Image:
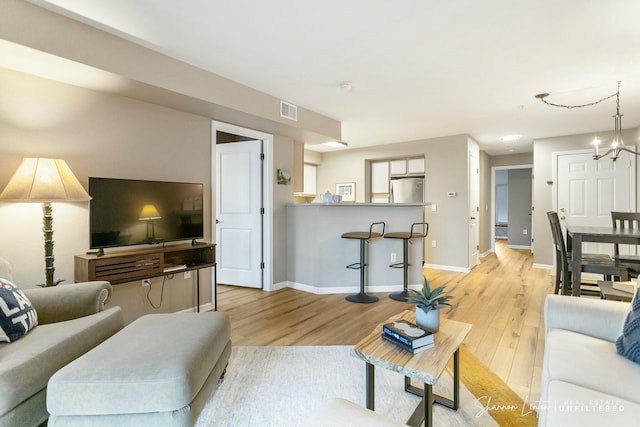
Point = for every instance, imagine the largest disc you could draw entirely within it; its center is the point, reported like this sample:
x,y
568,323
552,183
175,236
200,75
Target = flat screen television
x,y
126,212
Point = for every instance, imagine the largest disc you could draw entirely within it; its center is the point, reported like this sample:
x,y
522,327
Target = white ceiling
x,y
419,68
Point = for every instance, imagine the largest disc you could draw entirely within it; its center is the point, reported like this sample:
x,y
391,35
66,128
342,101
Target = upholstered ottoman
x,y
158,371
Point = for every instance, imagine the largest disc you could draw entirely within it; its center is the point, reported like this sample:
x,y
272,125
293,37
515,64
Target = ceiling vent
x,y
288,111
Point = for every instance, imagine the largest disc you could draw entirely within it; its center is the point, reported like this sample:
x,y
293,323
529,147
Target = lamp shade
x,y
44,180
149,212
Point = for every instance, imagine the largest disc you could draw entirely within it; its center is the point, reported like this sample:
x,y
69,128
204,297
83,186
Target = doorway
x,y
238,216
248,260
511,206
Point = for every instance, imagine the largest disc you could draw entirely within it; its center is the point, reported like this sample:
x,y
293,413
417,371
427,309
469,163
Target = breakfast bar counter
x,y
317,256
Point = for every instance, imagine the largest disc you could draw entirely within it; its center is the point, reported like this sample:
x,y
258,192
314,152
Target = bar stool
x,y
406,238
364,237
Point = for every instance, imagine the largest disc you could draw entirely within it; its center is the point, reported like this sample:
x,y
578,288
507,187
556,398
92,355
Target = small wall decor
x,y
347,190
284,177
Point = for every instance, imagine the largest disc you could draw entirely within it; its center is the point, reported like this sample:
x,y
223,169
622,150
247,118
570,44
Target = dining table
x,y
579,234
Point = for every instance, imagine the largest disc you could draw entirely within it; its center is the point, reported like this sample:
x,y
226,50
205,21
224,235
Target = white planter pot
x,y
428,319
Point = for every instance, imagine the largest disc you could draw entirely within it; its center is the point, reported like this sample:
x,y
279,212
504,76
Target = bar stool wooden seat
x,y
406,237
364,237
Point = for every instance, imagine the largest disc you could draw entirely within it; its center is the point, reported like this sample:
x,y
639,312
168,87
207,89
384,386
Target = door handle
x,y
473,217
218,221
563,217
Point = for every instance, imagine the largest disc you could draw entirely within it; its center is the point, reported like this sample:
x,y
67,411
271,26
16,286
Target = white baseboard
x,y
486,253
448,268
203,307
279,285
544,266
519,247
325,290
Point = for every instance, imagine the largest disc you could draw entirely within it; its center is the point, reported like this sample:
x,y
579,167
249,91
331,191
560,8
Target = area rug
x,y
504,404
281,386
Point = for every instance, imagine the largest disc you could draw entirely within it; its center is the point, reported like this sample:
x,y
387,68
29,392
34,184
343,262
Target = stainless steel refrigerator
x,y
406,190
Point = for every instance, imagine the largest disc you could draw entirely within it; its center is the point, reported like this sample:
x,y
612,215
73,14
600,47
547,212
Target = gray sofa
x,y
72,320
585,382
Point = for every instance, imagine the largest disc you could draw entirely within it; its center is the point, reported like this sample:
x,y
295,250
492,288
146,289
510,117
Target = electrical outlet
x,y
187,275
433,243
146,282
434,208
393,257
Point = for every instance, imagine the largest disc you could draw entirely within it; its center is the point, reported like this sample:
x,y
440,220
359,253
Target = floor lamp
x,y
45,181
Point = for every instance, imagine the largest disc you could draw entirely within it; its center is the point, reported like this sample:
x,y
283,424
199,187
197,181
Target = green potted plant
x,y
428,304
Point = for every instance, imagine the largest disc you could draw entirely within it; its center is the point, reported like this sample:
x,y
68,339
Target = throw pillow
x,y
17,315
628,344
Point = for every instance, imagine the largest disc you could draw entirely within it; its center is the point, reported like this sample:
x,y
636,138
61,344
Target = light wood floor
x,y
502,298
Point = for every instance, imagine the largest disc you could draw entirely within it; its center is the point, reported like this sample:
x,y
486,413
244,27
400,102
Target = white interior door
x,y
474,210
239,213
588,190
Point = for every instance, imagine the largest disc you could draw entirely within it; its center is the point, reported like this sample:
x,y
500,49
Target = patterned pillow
x,y
628,344
17,315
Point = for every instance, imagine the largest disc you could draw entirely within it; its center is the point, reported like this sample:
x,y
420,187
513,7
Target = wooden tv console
x,y
127,266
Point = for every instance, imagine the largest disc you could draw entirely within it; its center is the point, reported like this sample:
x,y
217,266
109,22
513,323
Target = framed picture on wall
x,y
347,190
284,176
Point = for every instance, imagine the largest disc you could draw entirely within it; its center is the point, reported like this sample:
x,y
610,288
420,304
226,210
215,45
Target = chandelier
x,y
617,144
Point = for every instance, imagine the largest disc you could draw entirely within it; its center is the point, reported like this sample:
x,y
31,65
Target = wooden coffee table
x,y
607,291
425,367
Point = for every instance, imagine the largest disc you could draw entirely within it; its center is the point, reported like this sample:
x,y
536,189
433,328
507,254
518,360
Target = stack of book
x,y
408,336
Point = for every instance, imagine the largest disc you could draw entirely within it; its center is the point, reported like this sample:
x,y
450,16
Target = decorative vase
x,y
428,319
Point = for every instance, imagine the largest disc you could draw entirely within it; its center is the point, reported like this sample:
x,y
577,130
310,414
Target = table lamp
x,y
45,181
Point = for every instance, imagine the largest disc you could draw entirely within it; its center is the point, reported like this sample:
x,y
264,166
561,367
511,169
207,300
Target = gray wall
x,y
119,66
502,204
98,135
140,114
282,194
318,255
519,207
485,204
107,135
512,160
446,166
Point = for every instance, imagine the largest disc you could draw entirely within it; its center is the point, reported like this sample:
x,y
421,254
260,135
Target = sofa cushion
x,y
572,405
628,344
157,363
17,315
5,270
592,363
26,365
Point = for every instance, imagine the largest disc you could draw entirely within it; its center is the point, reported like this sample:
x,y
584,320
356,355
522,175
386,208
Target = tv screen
x,y
132,212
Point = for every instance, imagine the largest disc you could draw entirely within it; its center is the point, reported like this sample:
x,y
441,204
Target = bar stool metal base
x,y
362,298
402,296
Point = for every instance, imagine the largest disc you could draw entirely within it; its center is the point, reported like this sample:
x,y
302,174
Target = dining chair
x,y
625,220
591,263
